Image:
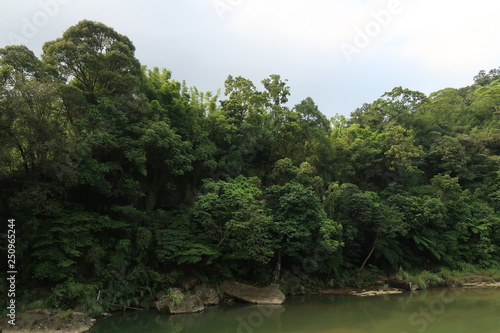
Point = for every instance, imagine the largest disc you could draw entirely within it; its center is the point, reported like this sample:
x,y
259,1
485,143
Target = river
x,y
431,311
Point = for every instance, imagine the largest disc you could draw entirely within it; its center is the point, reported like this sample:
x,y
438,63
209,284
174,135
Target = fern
x,y
430,243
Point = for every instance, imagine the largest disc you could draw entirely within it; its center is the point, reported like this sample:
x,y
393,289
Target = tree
x,y
486,102
101,61
401,153
126,181
371,226
233,217
358,155
33,128
444,112
277,91
302,226
485,79
396,106
301,132
240,129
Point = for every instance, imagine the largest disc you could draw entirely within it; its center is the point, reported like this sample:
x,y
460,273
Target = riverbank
x,y
446,310
69,321
421,281
380,290
48,321
482,285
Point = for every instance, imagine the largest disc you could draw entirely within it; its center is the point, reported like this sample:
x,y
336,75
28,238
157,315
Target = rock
x,y
188,304
161,294
147,305
267,295
208,295
163,305
375,292
48,321
482,285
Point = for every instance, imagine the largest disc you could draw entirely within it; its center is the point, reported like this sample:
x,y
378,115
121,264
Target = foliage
x,y
362,278
176,296
124,180
426,279
234,219
70,293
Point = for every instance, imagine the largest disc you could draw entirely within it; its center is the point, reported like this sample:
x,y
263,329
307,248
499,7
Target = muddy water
x,y
433,311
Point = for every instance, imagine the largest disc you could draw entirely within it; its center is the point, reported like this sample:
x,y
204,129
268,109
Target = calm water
x,y
433,311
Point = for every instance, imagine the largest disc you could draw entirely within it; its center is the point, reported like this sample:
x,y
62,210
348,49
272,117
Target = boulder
x,y
163,305
187,304
160,295
208,295
147,304
267,295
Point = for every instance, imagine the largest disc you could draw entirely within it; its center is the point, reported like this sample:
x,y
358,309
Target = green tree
x,y
233,218
302,226
100,60
372,226
33,127
486,102
397,106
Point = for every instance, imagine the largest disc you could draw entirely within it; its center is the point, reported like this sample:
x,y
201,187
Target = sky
x,y
340,53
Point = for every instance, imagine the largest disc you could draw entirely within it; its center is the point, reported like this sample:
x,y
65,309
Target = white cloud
x,y
301,24
427,45
450,36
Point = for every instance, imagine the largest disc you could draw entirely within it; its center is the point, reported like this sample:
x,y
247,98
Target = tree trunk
x,y
277,269
370,254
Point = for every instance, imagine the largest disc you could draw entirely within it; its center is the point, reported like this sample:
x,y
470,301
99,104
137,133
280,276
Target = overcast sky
x,y
340,53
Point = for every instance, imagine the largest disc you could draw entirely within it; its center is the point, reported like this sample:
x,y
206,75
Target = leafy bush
x,y
175,295
362,278
426,279
71,294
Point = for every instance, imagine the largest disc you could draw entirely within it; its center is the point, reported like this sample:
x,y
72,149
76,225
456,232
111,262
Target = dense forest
x,y
124,181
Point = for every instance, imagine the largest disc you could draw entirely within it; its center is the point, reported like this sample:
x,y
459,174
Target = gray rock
x,y
188,304
147,305
267,295
161,294
208,295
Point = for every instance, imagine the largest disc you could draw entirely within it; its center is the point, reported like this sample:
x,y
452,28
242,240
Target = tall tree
x,y
101,60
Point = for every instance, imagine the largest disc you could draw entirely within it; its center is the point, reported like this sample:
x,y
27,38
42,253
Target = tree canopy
x,y
124,180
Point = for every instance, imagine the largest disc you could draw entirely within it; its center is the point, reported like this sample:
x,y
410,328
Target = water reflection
x,y
444,310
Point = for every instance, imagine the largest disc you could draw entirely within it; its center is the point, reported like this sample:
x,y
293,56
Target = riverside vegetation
x,y
124,181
